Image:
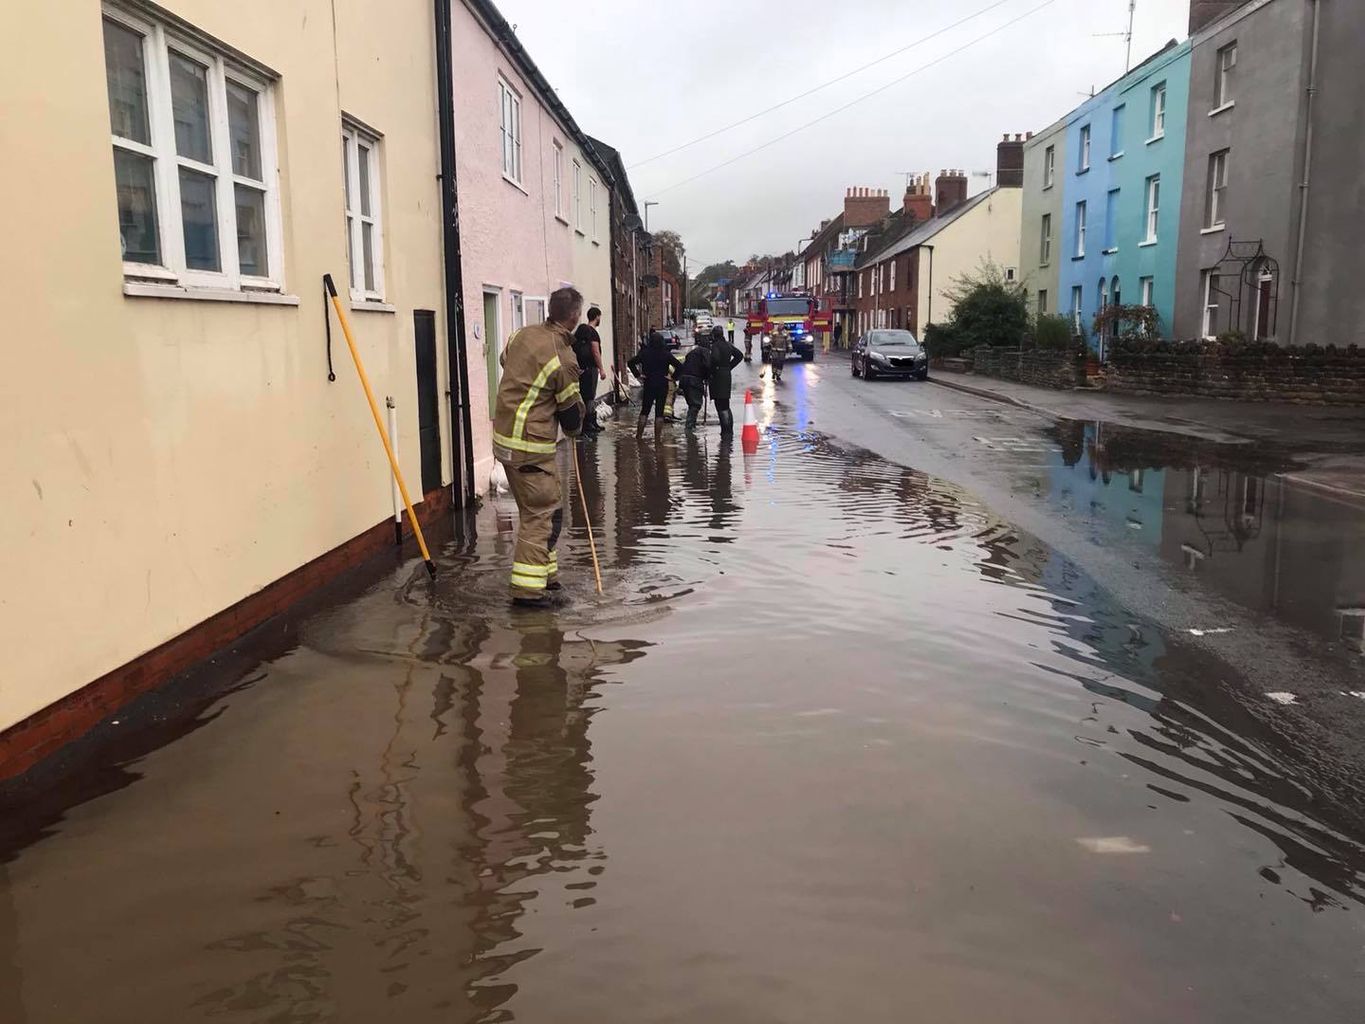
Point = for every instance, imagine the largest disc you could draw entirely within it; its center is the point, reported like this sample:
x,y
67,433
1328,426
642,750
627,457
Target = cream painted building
x,y
534,207
183,176
984,229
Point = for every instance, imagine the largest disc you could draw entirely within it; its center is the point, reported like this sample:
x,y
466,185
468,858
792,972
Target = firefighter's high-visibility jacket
x,y
538,394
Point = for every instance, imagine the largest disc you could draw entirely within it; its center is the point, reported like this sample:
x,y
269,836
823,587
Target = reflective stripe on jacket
x,y
539,380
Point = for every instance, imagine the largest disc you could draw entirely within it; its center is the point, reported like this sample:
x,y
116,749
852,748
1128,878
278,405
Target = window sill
x,y
1082,170
1226,106
515,184
1047,188
580,232
596,242
562,220
150,290
1216,229
371,306
1077,259
1115,156
1155,138
1109,252
1148,243
1044,266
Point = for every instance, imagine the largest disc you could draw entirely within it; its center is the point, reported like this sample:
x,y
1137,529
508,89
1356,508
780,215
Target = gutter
x,y
457,362
1297,283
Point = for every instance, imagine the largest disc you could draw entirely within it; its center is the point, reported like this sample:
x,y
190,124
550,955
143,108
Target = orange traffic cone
x,y
748,437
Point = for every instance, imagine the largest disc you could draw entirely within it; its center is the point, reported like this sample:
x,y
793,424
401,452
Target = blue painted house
x,y
1122,185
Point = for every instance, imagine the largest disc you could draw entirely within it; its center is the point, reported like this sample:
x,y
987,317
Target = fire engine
x,y
802,314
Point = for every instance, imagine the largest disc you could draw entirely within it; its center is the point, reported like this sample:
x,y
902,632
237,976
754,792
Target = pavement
x,y
1032,718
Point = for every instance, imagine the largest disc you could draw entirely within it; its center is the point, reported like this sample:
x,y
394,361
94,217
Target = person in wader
x,y
539,394
778,347
696,371
653,364
724,358
587,349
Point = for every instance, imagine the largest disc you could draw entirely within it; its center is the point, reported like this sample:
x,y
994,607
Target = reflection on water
x,y
1229,517
835,731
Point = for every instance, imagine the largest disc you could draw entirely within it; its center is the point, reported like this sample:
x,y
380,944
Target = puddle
x,y
824,751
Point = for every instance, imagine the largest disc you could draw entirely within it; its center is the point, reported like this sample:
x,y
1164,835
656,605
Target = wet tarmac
x,y
839,743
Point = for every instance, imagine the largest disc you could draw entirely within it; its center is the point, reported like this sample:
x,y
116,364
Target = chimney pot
x,y
1007,137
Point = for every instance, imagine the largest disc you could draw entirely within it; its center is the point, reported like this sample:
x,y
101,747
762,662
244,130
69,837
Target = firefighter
x,y
779,344
654,364
724,358
538,395
696,370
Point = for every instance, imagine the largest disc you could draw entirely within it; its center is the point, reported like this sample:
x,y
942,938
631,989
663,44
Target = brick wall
x,y
1307,376
1044,368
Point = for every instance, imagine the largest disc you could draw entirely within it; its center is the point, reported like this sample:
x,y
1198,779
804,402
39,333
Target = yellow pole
x,y
587,519
379,423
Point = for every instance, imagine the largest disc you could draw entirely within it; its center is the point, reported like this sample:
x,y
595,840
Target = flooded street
x,y
844,740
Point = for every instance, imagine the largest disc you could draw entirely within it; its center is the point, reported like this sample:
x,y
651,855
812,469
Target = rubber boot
x,y
727,422
692,411
658,431
640,429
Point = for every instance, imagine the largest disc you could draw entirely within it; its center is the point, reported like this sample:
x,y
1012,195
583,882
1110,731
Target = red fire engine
x,y
802,314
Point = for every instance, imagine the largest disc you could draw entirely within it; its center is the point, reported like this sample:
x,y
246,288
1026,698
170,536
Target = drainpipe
x,y
457,364
929,313
1307,178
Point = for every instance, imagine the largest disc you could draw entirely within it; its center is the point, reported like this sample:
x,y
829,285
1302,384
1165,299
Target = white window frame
x,y
1207,323
1042,300
1116,132
592,210
1153,211
1222,98
1215,191
1158,112
578,197
893,275
1081,216
1049,166
1077,305
157,41
1147,287
517,304
542,302
559,180
353,139
1045,249
1085,149
509,131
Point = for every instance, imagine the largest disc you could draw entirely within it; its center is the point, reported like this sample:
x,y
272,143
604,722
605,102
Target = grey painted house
x,y
1040,251
1245,262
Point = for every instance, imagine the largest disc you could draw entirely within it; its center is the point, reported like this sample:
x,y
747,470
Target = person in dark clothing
x,y
696,371
838,333
587,347
653,364
724,358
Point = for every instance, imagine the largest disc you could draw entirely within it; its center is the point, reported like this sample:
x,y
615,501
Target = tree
x,y
701,288
987,309
670,247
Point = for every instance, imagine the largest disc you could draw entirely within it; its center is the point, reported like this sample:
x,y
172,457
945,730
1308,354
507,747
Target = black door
x,y
428,411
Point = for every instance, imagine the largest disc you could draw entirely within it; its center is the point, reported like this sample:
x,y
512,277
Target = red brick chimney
x,y
951,189
1009,162
918,202
864,207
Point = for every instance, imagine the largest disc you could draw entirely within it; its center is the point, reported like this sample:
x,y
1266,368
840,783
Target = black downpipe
x,y
461,440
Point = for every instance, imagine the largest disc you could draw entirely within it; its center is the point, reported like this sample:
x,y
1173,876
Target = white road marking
x,y
1210,632
1354,693
1016,444
1114,845
1282,697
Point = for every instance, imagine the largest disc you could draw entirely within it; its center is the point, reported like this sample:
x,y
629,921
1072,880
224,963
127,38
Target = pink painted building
x,y
534,200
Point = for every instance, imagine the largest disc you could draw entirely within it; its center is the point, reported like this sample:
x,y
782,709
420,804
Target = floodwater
x,y
837,744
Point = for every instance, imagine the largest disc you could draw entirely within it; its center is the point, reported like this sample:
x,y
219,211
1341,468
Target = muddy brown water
x,y
838,744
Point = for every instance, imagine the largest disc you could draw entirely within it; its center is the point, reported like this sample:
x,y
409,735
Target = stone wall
x,y
1044,368
1310,375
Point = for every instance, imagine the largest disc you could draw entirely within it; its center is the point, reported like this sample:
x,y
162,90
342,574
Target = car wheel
x,y
853,367
868,372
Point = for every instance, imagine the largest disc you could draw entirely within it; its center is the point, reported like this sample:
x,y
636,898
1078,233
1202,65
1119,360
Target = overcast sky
x,y
646,77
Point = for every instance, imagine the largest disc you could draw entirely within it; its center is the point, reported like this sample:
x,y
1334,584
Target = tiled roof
x,y
929,228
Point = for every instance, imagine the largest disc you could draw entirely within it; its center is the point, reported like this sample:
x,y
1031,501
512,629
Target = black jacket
x,y
696,368
653,362
724,358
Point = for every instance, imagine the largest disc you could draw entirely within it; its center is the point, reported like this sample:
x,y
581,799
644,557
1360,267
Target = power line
x,y
825,85
865,96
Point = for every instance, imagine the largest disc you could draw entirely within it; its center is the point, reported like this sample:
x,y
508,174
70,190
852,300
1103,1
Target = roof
x,y
930,228
822,237
502,33
618,168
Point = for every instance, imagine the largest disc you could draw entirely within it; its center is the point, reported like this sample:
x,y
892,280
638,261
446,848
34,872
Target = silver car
x,y
888,353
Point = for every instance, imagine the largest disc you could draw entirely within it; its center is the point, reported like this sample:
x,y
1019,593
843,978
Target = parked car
x,y
889,354
702,325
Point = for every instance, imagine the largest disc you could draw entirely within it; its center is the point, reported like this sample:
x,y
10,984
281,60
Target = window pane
x,y
346,171
127,80
136,207
350,252
244,131
190,108
251,249
365,180
367,245
198,211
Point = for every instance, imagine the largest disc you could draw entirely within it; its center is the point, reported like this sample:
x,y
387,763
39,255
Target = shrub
x,y
988,310
1053,332
1127,322
942,340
